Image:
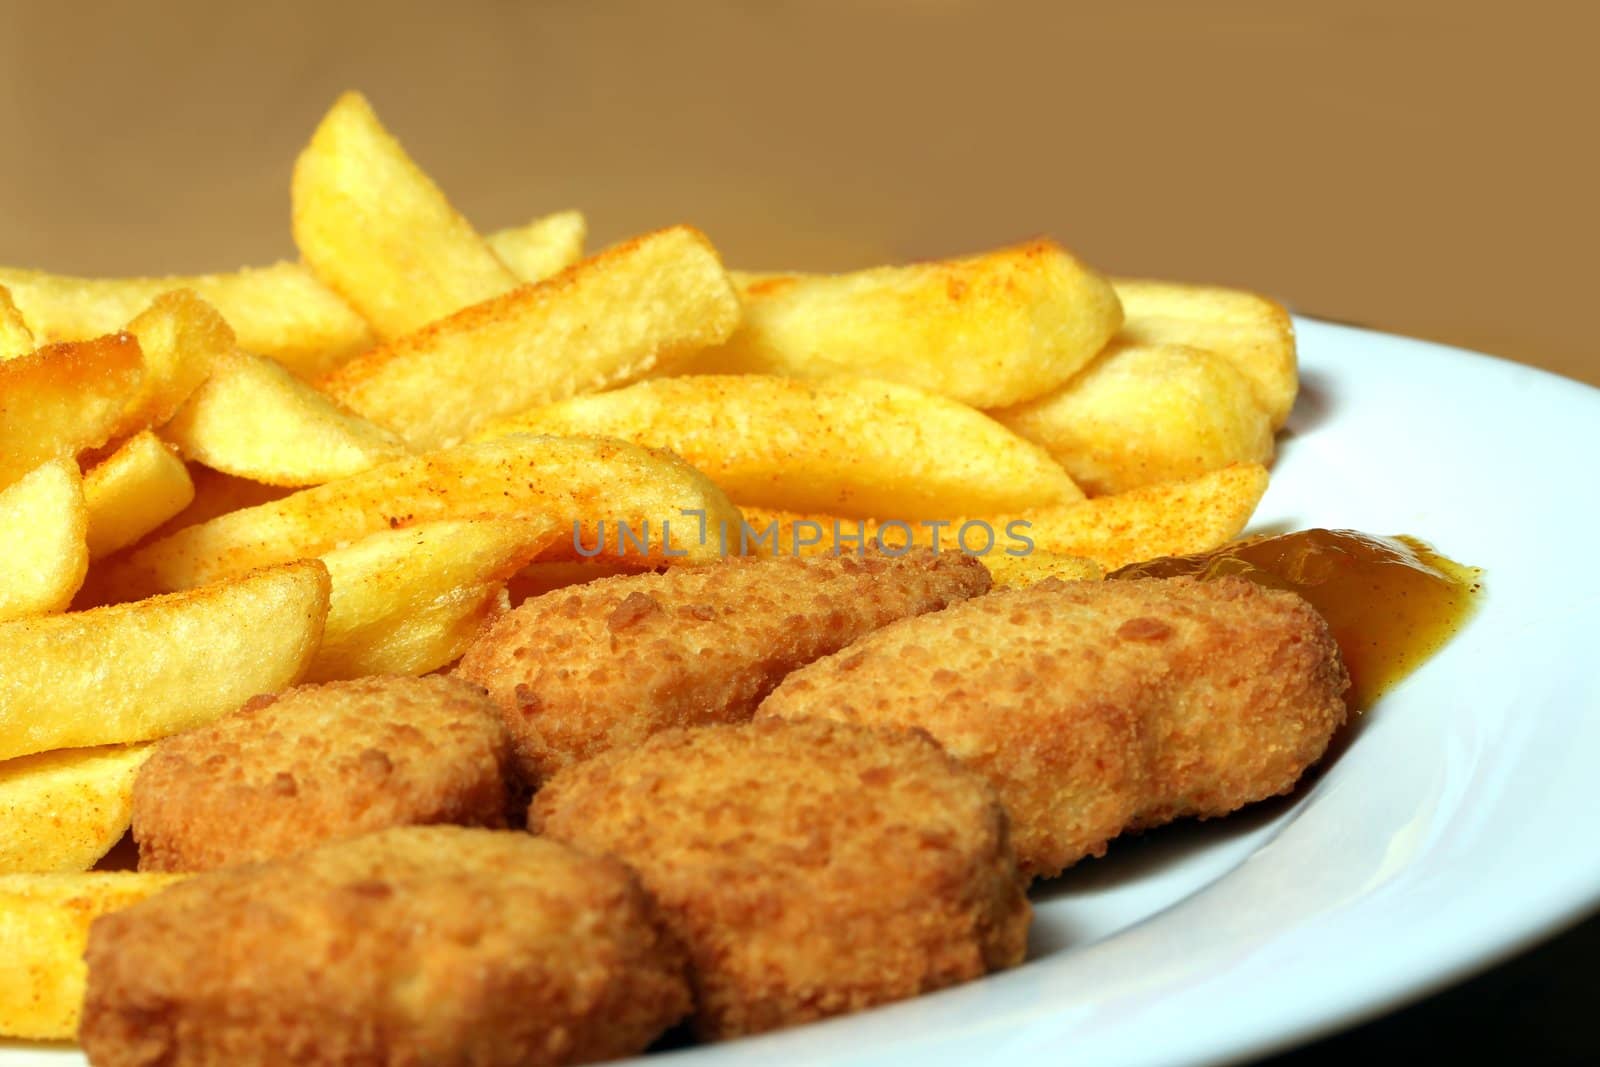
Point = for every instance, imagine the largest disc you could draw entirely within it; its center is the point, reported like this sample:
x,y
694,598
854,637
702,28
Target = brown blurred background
x,y
1409,167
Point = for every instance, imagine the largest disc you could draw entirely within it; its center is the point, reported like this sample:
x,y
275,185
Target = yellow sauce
x,y
1391,602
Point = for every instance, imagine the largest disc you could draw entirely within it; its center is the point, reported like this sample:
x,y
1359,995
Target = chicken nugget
x,y
810,868
1097,708
416,945
607,664
318,762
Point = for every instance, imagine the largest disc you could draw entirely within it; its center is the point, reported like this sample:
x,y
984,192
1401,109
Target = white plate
x,y
1452,829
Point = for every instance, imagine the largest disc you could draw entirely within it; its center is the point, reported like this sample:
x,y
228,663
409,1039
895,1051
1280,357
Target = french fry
x,y
280,311
254,419
409,601
543,247
988,330
179,337
1016,571
63,810
44,928
848,446
1140,414
134,490
136,672
377,231
216,494
15,337
43,521
1250,331
63,399
609,320
1169,519
579,482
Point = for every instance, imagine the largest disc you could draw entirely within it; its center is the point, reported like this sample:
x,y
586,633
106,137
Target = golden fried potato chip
x,y
1140,414
134,490
1017,571
15,337
609,320
179,336
216,494
848,446
410,601
582,483
136,672
377,231
280,311
988,330
44,928
543,247
63,399
63,810
1250,331
254,419
43,524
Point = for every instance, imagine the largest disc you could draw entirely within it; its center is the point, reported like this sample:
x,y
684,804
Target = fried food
x,y
44,925
254,419
136,672
545,246
605,665
63,810
133,491
811,869
1097,708
608,320
291,770
64,399
1250,331
377,230
848,446
1035,567
1141,414
15,337
44,526
420,945
180,336
987,330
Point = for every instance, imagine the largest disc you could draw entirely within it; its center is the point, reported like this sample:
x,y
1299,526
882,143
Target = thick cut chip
x,y
590,486
134,490
255,420
216,494
1140,414
15,337
378,232
136,672
989,330
1170,519
1250,331
410,601
1014,571
543,247
43,525
63,399
849,446
63,810
609,320
280,311
180,336
44,928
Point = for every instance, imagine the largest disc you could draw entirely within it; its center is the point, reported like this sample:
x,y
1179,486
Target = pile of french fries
x,y
221,485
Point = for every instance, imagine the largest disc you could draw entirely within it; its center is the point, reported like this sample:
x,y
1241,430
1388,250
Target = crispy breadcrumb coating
x,y
811,868
1097,708
420,945
582,670
317,762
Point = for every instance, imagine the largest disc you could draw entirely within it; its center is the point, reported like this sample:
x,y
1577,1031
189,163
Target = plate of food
x,y
456,648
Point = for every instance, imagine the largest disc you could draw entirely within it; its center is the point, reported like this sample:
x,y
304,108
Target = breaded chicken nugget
x,y
418,945
607,664
1097,708
811,869
318,762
